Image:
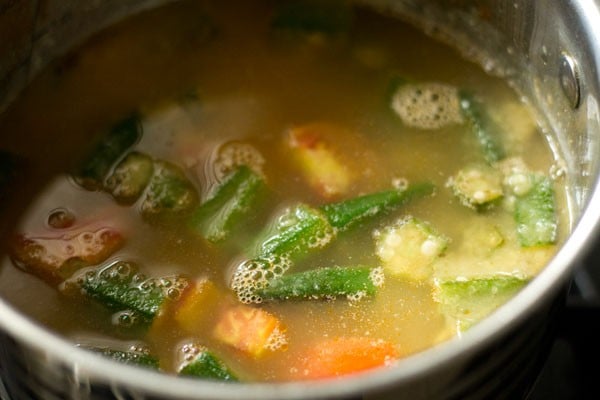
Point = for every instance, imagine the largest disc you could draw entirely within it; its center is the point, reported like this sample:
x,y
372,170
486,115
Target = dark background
x,y
572,370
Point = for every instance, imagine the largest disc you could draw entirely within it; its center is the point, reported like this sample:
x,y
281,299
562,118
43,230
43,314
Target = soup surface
x,y
271,191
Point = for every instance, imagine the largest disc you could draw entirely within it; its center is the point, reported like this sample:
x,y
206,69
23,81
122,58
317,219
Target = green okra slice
x,y
487,132
535,213
467,301
130,177
107,152
347,213
408,247
477,186
208,366
132,357
299,230
119,286
234,198
354,282
169,191
313,16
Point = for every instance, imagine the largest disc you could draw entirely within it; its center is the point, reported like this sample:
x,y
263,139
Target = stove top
x,y
571,371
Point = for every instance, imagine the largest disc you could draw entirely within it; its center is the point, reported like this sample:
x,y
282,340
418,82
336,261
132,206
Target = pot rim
x,y
87,365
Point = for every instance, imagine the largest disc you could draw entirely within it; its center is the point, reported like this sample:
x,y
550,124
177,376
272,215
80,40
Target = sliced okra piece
x,y
130,177
535,212
299,230
234,198
107,152
207,365
313,16
169,191
120,286
343,215
354,282
487,132
467,301
408,247
477,186
131,357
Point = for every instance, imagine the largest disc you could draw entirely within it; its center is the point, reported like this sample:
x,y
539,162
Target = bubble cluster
x,y
377,276
277,340
427,105
253,275
234,154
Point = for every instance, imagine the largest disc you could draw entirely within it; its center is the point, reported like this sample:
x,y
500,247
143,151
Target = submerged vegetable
x,y
132,357
487,132
477,186
169,191
313,16
119,286
130,177
205,364
535,213
467,301
353,282
408,247
345,355
231,201
107,152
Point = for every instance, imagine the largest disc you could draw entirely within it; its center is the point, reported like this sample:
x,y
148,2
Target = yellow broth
x,y
251,84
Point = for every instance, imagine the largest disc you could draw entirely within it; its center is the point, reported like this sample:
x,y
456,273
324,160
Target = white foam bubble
x,y
427,105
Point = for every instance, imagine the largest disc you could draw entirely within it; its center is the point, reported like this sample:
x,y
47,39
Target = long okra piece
x,y
233,199
487,132
106,153
324,283
313,16
535,213
344,214
207,365
138,358
119,286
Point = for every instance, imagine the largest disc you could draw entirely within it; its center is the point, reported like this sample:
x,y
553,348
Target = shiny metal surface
x,y
520,40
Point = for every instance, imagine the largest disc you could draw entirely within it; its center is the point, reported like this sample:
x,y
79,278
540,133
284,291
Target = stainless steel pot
x,y
547,49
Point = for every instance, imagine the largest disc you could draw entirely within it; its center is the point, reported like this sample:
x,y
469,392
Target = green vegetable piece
x,y
487,132
324,283
130,177
107,152
535,213
301,229
408,247
347,213
477,186
232,200
119,286
469,301
142,359
207,365
313,16
169,191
